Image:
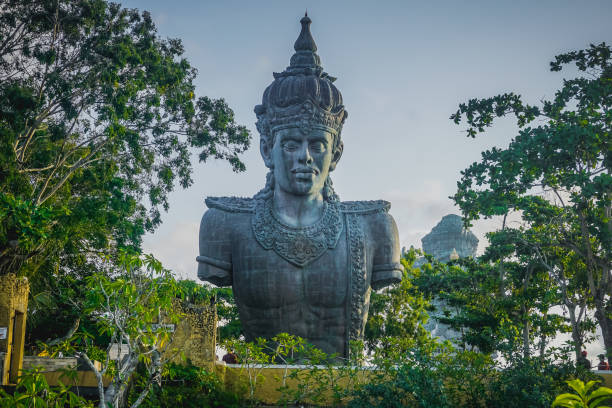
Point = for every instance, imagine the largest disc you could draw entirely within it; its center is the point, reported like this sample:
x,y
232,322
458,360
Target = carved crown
x,y
303,95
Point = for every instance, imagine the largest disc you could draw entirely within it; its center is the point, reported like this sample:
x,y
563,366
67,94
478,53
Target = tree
x,y
98,117
556,174
397,311
96,112
132,306
511,313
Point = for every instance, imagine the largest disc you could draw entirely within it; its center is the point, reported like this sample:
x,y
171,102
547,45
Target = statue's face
x,y
302,161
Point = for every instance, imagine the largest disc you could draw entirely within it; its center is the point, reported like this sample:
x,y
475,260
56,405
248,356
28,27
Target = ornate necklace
x,y
299,246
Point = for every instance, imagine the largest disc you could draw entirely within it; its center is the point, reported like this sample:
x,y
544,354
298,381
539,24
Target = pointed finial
x,y
306,13
454,255
305,42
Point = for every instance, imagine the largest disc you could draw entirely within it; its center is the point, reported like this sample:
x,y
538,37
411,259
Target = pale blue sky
x,y
402,67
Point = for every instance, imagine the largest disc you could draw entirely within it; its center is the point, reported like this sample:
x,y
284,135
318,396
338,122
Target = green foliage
x,y
397,311
467,376
557,175
32,390
230,326
129,299
98,117
498,302
128,302
252,356
319,377
467,289
190,387
444,376
532,382
583,397
404,377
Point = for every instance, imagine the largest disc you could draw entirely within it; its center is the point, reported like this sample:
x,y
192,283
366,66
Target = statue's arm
x,y
215,259
386,268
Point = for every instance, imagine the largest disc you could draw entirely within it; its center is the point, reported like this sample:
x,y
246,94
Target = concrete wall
x,y
49,364
52,370
606,377
236,379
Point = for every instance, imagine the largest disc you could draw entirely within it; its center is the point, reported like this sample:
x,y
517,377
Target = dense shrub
x,y
450,378
532,383
405,386
188,386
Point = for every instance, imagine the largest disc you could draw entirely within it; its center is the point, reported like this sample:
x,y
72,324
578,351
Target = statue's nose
x,y
305,156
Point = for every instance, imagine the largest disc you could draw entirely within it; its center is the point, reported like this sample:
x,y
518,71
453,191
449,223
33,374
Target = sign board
x,y
167,327
3,333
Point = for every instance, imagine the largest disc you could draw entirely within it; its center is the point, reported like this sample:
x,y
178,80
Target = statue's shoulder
x,y
231,204
365,207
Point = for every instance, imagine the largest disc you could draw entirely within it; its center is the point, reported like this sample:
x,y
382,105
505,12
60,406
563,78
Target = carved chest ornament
x,y
299,246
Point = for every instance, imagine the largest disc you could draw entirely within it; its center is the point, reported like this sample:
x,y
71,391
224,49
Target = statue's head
x,y
300,122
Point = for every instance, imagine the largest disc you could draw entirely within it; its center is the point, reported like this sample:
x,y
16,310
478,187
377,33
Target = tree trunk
x,y
543,339
115,393
525,331
576,336
526,328
602,314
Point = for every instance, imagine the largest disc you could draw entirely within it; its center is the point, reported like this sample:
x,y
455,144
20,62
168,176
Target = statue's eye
x,y
290,146
317,147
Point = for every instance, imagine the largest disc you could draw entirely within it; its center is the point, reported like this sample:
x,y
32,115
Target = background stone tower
x,y
447,240
449,236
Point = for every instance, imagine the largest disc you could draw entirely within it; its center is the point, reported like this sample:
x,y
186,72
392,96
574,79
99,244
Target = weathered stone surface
x,y
299,260
448,235
195,335
448,240
13,312
48,363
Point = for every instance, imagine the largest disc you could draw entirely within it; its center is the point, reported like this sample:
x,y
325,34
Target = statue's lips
x,y
304,173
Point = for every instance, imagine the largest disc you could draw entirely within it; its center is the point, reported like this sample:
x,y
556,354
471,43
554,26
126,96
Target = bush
x,y
445,377
532,383
412,380
32,390
188,386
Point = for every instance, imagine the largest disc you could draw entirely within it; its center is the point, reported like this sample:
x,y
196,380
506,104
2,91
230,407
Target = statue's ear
x,y
336,156
266,152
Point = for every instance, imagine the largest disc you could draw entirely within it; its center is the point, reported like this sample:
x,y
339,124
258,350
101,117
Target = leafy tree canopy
x,y
97,112
557,172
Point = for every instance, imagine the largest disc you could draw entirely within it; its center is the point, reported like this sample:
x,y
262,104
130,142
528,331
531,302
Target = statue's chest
x,y
264,279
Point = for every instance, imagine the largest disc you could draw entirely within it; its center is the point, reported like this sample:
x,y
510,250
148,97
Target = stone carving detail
x,y
294,90
299,246
232,204
448,235
315,281
365,207
357,278
195,335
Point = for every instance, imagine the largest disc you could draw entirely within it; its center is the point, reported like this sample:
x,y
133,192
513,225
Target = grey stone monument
x,y
299,260
447,241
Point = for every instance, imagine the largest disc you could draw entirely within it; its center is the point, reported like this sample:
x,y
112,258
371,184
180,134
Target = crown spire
x,y
305,42
305,59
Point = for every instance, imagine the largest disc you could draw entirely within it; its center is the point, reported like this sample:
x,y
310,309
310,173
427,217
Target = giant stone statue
x,y
298,259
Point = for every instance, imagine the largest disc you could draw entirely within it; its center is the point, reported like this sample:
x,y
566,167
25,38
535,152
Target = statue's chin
x,y
302,188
